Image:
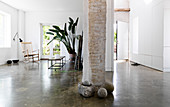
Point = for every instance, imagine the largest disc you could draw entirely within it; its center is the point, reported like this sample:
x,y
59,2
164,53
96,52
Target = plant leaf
x,y
65,29
52,40
71,20
53,30
50,33
56,27
62,32
77,20
73,28
70,26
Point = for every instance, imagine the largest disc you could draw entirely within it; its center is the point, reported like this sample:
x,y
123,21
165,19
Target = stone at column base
x,y
102,93
86,91
108,86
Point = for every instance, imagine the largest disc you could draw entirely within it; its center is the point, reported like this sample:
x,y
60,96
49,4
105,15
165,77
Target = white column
x,y
109,61
86,67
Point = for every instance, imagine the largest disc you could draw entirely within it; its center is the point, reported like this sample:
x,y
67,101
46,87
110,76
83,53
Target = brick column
x,y
97,40
94,48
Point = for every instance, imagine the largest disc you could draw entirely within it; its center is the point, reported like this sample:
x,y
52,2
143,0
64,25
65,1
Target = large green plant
x,y
66,35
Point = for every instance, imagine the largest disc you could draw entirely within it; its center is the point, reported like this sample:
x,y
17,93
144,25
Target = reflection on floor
x,y
34,85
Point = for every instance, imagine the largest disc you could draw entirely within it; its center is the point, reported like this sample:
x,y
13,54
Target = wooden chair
x,y
29,53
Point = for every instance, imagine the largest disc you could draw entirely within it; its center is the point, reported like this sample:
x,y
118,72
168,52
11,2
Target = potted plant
x,y
67,36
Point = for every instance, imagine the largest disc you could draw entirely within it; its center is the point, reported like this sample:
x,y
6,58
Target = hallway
x,y
33,85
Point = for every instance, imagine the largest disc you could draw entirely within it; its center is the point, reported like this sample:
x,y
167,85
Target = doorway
x,y
48,51
121,40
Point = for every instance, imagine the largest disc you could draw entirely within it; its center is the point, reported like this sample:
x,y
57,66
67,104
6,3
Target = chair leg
x,y
25,58
38,58
29,59
33,58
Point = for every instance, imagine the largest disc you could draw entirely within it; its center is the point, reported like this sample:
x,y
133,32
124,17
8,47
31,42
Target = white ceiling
x,y
46,5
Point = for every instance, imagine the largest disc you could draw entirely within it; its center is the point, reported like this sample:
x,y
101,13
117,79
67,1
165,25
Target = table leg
x,y
65,61
48,64
62,63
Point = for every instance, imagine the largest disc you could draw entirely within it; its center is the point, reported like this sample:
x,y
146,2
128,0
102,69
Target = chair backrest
x,y
27,46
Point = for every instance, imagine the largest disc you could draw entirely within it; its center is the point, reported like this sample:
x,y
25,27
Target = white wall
x,y
21,32
121,3
10,53
146,32
166,47
121,16
34,19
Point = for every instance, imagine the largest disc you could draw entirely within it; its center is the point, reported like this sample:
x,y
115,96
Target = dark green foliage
x,y
50,33
77,21
65,29
71,20
56,27
73,28
62,34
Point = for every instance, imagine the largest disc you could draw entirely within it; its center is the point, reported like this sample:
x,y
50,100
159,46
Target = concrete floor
x,y
33,85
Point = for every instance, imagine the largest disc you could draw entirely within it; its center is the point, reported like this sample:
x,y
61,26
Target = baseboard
x,y
166,70
148,66
109,69
3,63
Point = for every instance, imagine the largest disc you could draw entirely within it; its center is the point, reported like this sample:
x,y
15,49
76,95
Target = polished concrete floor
x,y
33,85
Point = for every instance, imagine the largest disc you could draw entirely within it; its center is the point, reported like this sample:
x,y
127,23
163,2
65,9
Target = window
x,y
5,30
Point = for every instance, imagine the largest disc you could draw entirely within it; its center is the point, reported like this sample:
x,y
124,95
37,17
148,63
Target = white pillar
x,y
86,67
109,36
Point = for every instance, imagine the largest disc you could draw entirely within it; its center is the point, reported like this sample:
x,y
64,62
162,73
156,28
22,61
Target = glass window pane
x,y
5,30
46,39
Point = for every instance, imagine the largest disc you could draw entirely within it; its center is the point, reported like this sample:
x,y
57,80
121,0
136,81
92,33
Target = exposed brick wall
x,y
97,39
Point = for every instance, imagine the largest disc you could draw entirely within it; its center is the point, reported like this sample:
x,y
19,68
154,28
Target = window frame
x,y
6,30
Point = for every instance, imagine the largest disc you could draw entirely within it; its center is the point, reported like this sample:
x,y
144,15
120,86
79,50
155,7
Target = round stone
x,y
102,93
85,91
109,86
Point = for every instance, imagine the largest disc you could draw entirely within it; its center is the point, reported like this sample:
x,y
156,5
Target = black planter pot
x,y
9,62
72,57
15,61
